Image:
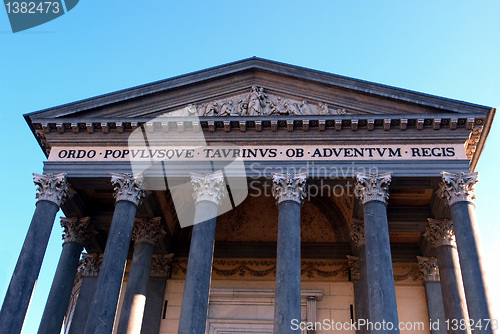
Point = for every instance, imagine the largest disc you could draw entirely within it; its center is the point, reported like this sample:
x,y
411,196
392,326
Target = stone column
x,y
88,270
128,194
208,193
360,292
289,191
160,270
372,190
457,190
440,234
77,232
429,267
145,234
358,274
52,190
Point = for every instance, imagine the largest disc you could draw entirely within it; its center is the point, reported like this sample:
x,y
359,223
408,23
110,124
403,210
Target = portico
x,y
258,197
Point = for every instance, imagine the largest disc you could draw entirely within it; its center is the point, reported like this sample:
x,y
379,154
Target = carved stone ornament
x,y
90,265
357,232
440,232
54,188
128,187
265,269
429,267
78,230
372,187
289,187
458,187
257,102
161,265
208,187
354,267
148,230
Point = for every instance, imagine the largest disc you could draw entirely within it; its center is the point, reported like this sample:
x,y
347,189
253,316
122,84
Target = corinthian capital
x,y
458,187
354,267
208,187
148,230
128,187
372,187
440,232
54,188
161,265
429,267
357,232
78,230
289,187
90,264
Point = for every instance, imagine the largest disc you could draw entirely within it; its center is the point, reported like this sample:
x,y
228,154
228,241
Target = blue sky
x,y
445,48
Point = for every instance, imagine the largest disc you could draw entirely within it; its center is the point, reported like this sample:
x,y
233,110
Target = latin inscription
x,y
257,153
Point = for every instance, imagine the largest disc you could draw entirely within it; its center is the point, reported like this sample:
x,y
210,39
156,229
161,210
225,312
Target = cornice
x,y
355,122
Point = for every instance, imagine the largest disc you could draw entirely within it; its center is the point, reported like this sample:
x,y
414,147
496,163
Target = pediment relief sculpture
x,y
259,103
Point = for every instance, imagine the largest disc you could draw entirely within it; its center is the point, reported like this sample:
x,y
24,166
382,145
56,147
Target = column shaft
x,y
137,285
154,305
451,287
82,308
60,291
103,307
194,307
361,297
466,232
435,306
287,294
18,295
383,308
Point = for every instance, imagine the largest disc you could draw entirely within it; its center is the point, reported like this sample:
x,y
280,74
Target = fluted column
x,y
440,233
358,274
145,234
289,191
88,269
430,270
372,190
208,193
128,193
77,232
53,190
457,190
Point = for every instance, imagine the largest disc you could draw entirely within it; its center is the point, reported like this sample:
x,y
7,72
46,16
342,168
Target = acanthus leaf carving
x,y
161,265
372,187
78,230
90,264
208,187
458,187
148,230
440,232
53,188
357,232
429,267
289,187
128,187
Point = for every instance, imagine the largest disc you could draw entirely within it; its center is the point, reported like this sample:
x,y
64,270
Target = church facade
x,y
258,197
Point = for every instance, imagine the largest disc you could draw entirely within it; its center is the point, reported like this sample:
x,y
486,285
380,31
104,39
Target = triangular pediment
x,y
257,87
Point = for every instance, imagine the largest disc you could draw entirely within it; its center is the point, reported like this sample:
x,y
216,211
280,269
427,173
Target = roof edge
x,y
365,87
